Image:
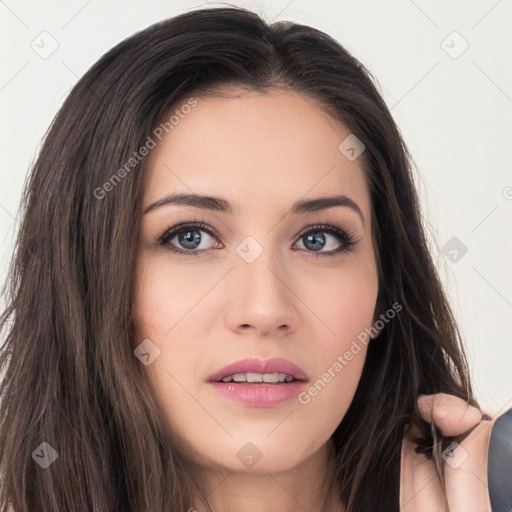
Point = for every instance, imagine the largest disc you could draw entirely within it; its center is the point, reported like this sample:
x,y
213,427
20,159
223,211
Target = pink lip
x,y
260,394
253,364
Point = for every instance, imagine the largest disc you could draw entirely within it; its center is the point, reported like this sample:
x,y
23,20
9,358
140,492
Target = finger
x,y
465,472
420,485
451,414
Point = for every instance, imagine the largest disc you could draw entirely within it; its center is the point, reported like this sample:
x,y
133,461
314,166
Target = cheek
x,y
161,299
344,302
167,298
346,306
168,311
348,310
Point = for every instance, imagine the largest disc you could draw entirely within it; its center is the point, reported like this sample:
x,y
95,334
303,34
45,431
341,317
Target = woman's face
x,y
264,283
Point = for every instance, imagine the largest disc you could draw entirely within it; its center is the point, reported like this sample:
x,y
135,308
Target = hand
x,y
465,471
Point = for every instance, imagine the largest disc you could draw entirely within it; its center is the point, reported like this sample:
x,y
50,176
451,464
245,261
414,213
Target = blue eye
x,y
315,240
187,240
188,235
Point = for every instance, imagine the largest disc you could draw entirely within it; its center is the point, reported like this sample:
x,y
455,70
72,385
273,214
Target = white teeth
x,y
254,377
258,377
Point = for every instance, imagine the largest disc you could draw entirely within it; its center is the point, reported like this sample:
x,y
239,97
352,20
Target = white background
x,y
454,113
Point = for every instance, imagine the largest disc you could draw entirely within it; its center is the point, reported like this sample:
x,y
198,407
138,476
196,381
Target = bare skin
x,y
261,153
465,476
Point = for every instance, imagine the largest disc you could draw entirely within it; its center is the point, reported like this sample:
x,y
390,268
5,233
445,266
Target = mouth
x,y
256,383
259,378
255,371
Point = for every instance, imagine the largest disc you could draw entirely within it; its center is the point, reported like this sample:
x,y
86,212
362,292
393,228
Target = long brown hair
x,y
70,375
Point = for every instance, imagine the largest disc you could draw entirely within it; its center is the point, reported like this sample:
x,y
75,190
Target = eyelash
x,y
346,238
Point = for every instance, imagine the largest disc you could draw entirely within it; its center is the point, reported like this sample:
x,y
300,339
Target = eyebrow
x,y
221,205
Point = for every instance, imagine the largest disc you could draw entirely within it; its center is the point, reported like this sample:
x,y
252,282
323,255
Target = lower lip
x,y
259,395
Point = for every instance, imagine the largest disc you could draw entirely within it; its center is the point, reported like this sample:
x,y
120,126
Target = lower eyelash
x,y
171,231
346,238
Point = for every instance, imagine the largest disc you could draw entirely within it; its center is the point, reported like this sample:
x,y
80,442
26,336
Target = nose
x,y
262,299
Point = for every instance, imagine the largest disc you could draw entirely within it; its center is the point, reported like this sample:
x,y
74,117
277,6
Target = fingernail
x,y
425,403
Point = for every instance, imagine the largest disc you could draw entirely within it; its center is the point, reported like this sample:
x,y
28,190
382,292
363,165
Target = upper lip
x,y
253,364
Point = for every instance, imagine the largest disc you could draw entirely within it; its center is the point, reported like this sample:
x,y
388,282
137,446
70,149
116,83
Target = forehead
x,y
255,148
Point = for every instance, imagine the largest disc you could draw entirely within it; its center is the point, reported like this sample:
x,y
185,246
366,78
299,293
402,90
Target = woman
x,y
222,296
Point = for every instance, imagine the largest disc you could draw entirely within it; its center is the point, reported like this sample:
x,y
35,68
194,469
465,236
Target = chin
x,y
260,456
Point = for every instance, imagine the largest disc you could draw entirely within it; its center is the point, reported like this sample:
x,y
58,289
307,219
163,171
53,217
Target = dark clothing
x,y
499,471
